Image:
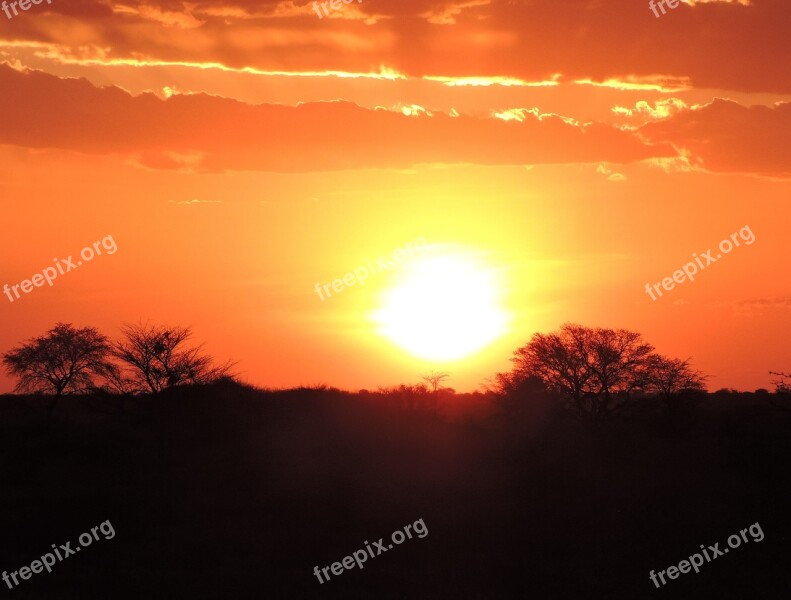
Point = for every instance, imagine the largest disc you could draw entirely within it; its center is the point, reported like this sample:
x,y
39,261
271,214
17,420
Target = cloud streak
x,y
204,133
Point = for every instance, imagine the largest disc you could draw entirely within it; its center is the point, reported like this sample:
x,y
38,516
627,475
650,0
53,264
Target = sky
x,y
477,170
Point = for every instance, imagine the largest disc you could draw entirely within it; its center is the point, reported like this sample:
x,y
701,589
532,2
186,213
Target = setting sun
x,y
443,308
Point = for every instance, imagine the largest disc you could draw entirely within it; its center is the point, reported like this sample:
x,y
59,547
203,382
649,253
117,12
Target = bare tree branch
x,y
157,358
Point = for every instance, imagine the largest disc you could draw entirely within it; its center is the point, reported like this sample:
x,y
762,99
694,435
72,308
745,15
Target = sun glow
x,y
443,308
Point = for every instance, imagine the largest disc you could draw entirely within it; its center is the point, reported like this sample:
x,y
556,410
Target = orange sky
x,y
239,152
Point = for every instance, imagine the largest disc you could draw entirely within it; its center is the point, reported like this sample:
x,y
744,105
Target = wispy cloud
x,y
194,202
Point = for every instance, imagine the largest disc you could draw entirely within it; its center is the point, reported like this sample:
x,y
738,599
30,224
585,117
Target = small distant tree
x,y
65,360
158,357
781,385
435,379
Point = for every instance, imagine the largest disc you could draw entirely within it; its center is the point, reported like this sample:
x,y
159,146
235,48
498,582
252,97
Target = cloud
x,y
203,133
759,306
655,83
740,2
775,302
730,138
445,13
609,173
98,57
490,81
619,44
168,18
661,109
193,202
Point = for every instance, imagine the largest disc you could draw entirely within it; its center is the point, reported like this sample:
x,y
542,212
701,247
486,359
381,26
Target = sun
x,y
443,308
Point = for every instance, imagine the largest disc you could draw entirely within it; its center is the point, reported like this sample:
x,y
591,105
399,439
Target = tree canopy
x,y
62,361
597,370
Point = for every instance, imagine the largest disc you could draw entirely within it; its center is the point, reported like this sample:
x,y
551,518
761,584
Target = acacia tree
x,y
157,358
435,379
619,362
672,376
64,360
552,359
596,370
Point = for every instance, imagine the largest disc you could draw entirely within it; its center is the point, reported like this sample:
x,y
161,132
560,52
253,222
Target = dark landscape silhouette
x,y
569,479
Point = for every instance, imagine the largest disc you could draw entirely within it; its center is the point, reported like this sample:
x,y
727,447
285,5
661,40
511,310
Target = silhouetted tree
x,y
676,383
781,385
65,360
672,376
596,370
411,397
116,381
435,379
158,358
514,385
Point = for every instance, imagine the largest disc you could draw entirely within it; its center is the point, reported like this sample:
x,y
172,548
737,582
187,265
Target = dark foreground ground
x,y
226,492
